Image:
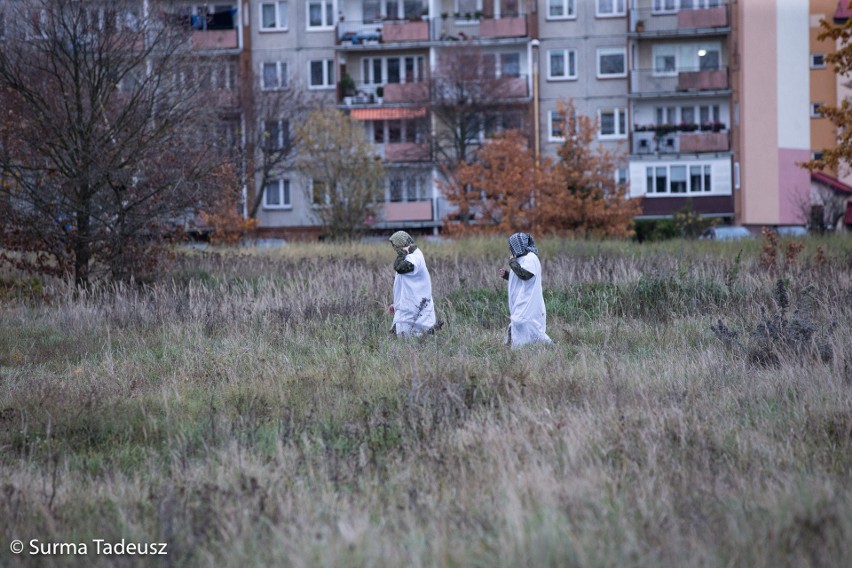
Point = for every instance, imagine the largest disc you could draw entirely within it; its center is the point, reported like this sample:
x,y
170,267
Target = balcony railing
x,y
404,151
502,88
389,93
714,19
664,140
463,29
214,39
401,211
357,33
649,82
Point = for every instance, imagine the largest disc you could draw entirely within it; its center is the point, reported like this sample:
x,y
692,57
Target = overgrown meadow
x,y
251,409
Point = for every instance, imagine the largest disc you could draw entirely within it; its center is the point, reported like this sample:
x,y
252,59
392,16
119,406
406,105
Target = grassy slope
x,y
254,411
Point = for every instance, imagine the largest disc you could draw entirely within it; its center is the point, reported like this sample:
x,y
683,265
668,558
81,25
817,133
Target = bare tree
x,y
272,111
472,94
347,178
105,137
822,207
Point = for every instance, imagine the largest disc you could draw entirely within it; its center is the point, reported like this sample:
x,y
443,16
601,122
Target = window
x,y
613,123
560,9
679,178
665,6
510,64
815,110
621,176
464,7
665,60
273,16
557,126
666,115
817,61
320,193
276,194
561,64
736,175
709,114
321,74
274,75
610,8
612,62
817,155
276,134
407,188
320,14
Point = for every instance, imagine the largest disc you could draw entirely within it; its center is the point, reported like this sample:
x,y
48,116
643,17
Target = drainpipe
x,y
535,44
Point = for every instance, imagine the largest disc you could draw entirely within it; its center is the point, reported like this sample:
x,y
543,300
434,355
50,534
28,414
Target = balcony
x,y
214,39
645,22
483,28
389,93
649,83
382,32
210,27
402,211
666,139
406,92
404,151
373,35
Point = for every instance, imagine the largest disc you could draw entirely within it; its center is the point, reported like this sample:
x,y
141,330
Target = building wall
x,y
774,99
585,33
823,81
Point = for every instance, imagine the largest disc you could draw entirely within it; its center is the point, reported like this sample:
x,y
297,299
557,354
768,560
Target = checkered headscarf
x,y
522,243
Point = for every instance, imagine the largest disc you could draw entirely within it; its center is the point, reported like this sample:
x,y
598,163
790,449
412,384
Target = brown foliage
x,y
585,198
840,116
497,194
505,191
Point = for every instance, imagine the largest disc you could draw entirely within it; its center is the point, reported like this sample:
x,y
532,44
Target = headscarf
x,y
522,243
401,239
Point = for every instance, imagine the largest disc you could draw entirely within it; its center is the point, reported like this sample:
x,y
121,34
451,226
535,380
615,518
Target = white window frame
x,y
567,54
618,113
314,203
664,50
550,115
281,74
706,169
619,9
461,19
284,190
327,14
815,113
815,65
283,126
569,10
278,27
659,7
327,75
611,51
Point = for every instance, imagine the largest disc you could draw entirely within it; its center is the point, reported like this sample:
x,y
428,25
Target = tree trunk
x,y
82,245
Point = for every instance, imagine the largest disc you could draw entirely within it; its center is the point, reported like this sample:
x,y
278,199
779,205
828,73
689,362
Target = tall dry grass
x,y
251,409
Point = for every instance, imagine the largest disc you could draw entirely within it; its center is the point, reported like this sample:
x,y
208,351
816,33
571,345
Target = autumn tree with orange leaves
x,y
584,198
498,192
504,191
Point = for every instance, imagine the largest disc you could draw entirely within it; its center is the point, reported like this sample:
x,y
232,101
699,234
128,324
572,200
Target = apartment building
x,y
381,62
680,105
831,190
583,56
771,112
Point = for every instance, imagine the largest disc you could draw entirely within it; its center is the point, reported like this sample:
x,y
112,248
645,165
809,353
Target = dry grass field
x,y
250,409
